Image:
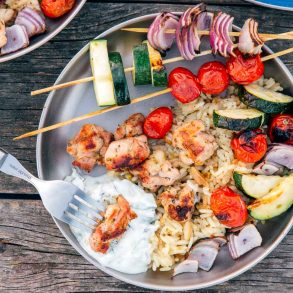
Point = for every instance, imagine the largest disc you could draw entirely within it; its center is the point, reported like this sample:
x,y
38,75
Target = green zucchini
x,y
122,96
255,186
141,64
239,119
158,70
103,82
265,100
276,202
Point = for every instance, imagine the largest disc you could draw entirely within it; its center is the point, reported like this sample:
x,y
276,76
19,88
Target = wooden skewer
x,y
264,37
134,101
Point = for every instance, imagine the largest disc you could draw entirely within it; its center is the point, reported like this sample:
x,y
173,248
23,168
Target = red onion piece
x,y
249,39
187,38
220,39
157,36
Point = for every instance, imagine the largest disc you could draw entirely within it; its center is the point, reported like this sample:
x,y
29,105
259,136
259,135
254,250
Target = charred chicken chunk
x,y
116,219
89,146
178,204
127,153
156,171
133,126
191,138
3,38
7,15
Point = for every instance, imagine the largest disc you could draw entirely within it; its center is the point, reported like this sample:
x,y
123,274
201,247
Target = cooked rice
x,y
173,239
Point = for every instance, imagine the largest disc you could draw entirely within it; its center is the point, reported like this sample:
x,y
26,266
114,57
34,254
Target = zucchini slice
x,y
141,64
103,82
264,99
122,96
158,70
276,202
255,186
238,119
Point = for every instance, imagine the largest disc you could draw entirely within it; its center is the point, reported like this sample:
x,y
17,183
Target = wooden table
x,y
34,256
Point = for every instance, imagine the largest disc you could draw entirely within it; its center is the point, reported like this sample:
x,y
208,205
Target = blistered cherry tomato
x,y
158,123
213,77
244,69
56,8
228,206
184,85
281,129
249,146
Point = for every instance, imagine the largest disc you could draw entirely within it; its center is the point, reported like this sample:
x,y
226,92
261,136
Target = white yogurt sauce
x,y
132,252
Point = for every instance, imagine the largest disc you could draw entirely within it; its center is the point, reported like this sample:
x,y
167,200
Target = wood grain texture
x,y
34,257
19,112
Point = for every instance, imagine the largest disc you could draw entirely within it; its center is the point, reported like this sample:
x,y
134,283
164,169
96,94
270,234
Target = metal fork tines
x,y
83,212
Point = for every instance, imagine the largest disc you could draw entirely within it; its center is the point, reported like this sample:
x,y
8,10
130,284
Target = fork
x,y
63,200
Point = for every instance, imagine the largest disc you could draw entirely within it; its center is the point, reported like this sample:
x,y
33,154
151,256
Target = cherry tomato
x,y
184,84
244,69
228,206
281,129
249,146
56,8
213,77
158,123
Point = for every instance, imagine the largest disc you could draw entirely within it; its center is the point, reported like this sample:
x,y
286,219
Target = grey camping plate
x,y
54,163
54,26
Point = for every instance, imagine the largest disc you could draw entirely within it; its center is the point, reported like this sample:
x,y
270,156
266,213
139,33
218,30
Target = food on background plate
x,y
281,129
21,20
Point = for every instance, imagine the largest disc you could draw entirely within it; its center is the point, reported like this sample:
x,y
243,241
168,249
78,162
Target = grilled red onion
x,y
32,21
17,38
249,39
186,266
187,38
220,39
157,36
247,239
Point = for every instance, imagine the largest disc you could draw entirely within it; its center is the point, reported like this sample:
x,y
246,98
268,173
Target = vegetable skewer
x,y
130,69
264,37
133,101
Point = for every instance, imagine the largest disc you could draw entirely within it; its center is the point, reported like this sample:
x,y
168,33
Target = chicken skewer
x,y
133,101
129,69
264,37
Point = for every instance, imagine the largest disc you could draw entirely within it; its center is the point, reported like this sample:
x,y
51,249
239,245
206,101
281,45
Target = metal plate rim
x,y
46,38
113,273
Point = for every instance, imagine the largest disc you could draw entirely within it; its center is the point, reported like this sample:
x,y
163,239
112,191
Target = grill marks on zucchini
x,y
238,119
264,99
122,96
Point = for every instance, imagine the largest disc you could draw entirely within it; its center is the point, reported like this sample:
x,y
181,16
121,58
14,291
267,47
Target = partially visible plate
x,y
54,26
54,163
276,4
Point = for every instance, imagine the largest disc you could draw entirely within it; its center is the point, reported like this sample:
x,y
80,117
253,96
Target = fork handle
x,y
11,166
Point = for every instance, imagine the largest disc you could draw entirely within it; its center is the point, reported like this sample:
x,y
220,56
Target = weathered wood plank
x,y
20,113
34,257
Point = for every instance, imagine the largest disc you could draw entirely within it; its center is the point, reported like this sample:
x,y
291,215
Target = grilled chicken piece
x,y
133,126
116,219
89,146
178,205
127,153
156,171
190,138
20,4
3,38
7,15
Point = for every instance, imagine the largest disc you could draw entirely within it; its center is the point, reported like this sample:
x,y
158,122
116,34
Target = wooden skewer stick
x,y
91,114
264,37
134,101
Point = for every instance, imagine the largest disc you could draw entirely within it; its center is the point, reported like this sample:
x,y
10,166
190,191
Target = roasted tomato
x,y
281,129
56,8
249,146
158,123
244,69
213,77
228,206
184,85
